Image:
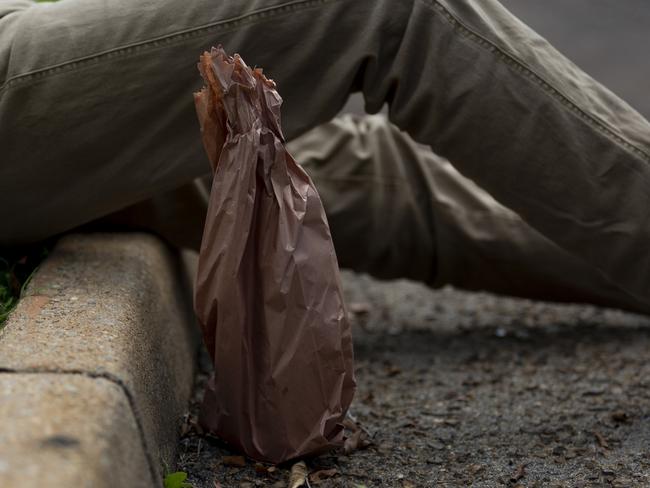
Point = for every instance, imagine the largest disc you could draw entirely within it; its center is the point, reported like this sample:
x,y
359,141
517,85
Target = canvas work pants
x,y
96,114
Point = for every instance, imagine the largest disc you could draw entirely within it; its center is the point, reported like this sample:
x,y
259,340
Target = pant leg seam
x,y
290,6
527,71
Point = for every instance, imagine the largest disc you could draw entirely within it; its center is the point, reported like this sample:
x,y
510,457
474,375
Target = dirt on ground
x,y
466,389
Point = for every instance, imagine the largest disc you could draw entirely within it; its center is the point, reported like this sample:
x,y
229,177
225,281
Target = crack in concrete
x,y
155,476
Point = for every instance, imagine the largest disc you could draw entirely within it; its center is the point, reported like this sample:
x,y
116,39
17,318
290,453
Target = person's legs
x,y
397,210
377,194
177,216
96,112
96,106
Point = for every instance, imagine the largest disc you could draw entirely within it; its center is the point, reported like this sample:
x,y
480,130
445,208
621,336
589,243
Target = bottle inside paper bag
x,y
268,292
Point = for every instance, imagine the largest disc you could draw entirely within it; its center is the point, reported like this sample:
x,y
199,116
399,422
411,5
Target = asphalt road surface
x,y
609,39
472,390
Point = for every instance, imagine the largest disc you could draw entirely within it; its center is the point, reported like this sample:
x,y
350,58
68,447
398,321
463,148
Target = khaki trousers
x,y
96,114
398,210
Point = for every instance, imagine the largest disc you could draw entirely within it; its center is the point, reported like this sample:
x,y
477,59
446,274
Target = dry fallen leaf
x,y
352,424
349,423
238,461
358,439
264,470
408,484
519,473
602,442
322,474
352,443
298,475
476,468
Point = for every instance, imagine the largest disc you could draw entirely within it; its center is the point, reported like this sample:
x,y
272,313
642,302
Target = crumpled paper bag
x,y
268,292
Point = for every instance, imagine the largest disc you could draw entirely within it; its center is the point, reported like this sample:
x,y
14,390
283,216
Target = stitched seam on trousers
x,y
165,39
517,64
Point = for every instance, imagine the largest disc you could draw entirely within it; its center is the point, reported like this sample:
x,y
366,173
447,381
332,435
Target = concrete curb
x,y
96,365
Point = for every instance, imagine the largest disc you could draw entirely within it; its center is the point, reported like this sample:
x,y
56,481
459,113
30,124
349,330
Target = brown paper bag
x,y
268,293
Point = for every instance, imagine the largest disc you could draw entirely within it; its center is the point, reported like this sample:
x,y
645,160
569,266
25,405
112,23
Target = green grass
x,y
177,480
16,269
8,295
